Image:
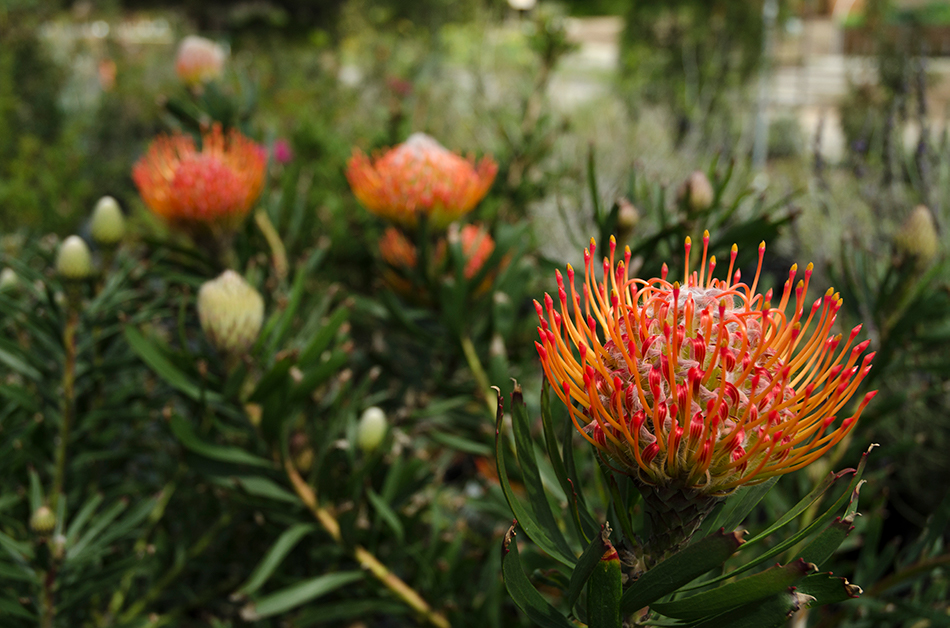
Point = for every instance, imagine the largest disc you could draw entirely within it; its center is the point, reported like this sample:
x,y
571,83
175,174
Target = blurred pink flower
x,y
283,153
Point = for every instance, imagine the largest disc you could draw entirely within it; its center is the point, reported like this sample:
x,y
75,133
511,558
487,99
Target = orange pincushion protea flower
x,y
397,251
477,247
216,186
420,176
701,386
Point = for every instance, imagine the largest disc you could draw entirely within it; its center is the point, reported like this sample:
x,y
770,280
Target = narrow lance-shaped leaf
x,y
603,591
586,564
537,497
522,514
523,592
182,430
680,568
298,594
278,551
735,594
771,612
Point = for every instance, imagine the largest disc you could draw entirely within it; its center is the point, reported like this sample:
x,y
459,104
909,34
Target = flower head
x,y
215,186
74,262
283,153
700,384
199,60
420,176
231,312
477,246
108,223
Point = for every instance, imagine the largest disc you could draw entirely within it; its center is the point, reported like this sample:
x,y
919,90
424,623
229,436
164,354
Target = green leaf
x,y
523,592
17,550
736,508
586,565
264,487
603,592
272,378
321,340
585,524
15,609
525,518
297,594
158,362
532,477
727,597
771,612
387,513
98,525
275,555
824,545
681,568
234,455
827,589
802,505
36,491
807,531
19,366
458,443
77,523
349,609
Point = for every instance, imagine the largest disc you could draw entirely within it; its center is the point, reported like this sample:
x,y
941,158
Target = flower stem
x,y
69,402
475,365
363,556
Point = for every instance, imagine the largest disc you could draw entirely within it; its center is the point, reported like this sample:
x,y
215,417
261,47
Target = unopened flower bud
x,y
8,280
43,520
231,313
917,238
697,192
199,60
371,429
74,261
108,223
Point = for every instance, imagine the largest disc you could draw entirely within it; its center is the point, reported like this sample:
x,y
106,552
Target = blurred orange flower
x,y
216,186
701,384
420,176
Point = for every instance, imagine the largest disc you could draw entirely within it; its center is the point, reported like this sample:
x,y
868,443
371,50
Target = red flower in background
x,y
420,176
216,186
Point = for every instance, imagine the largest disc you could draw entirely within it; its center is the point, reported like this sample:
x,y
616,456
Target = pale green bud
x,y
917,238
108,223
371,429
73,260
231,313
697,191
8,280
43,520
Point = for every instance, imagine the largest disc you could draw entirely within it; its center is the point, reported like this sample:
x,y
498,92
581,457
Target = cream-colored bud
x,y
917,238
371,429
697,191
43,520
8,280
73,260
627,215
231,312
108,223
199,60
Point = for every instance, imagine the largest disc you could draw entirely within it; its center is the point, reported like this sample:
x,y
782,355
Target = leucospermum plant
x,y
428,256
420,178
205,193
690,391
